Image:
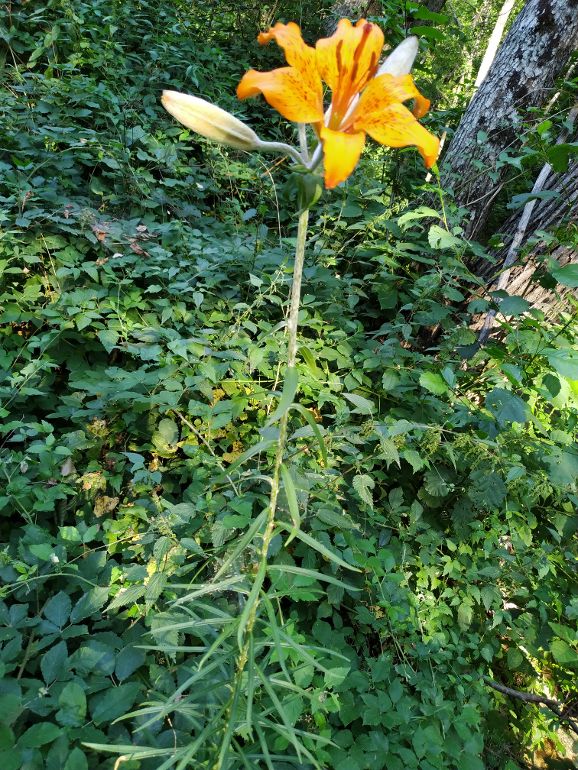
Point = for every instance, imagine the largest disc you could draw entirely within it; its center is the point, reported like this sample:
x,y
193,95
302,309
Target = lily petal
x,y
388,89
286,91
296,91
209,120
347,61
341,153
401,59
395,126
385,90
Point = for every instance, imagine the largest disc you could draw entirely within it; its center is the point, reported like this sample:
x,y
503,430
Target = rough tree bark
x,y
360,9
534,52
435,5
350,9
560,212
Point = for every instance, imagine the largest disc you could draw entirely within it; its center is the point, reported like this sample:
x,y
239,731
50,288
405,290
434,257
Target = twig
x,y
528,697
521,231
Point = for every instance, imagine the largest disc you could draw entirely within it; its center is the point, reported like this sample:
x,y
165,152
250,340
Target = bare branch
x,y
529,697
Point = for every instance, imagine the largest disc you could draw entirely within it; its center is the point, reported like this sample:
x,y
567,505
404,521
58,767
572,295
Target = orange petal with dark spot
x,y
286,91
296,91
348,60
395,126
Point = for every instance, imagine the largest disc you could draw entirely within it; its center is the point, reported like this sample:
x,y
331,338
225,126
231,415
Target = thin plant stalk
x,y
292,326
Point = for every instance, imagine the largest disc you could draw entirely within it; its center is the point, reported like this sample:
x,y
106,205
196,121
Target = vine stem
x,y
292,327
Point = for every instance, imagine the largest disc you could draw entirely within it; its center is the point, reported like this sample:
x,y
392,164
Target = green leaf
x,y
559,155
6,737
287,396
315,428
310,541
333,677
335,519
39,735
166,436
42,551
388,450
128,661
76,760
291,495
89,604
513,305
507,407
419,213
563,653
109,338
488,490
72,702
11,760
114,703
563,466
433,382
564,632
126,596
363,485
522,198
514,658
53,662
313,574
565,362
10,707
362,405
440,238
552,383
310,361
414,459
57,609
567,275
465,614
428,32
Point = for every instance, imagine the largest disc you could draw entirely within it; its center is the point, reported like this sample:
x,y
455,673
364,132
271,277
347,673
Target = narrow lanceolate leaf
x,y
241,544
287,396
262,446
308,540
315,428
291,496
321,576
250,607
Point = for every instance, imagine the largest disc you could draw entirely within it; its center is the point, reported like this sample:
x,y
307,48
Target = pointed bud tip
x,y
401,59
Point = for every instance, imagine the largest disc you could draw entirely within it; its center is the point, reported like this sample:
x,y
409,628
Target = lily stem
x,y
292,325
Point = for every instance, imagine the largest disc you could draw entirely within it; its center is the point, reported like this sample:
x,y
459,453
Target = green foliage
x,y
426,535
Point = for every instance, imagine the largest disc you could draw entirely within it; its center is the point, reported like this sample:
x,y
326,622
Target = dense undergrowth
x,y
144,282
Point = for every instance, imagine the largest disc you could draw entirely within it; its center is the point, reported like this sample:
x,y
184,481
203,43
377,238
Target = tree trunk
x,y
494,41
350,9
560,213
534,53
435,5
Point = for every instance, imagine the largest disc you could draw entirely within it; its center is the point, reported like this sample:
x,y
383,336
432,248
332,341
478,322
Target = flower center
x,y
352,77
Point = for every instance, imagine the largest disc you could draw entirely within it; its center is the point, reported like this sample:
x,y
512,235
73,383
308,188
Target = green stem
x,y
292,325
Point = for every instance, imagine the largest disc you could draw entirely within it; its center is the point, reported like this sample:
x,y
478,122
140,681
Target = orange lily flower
x,y
366,98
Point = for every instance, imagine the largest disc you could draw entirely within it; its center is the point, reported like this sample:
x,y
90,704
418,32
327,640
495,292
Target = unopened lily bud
x,y
210,121
401,59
